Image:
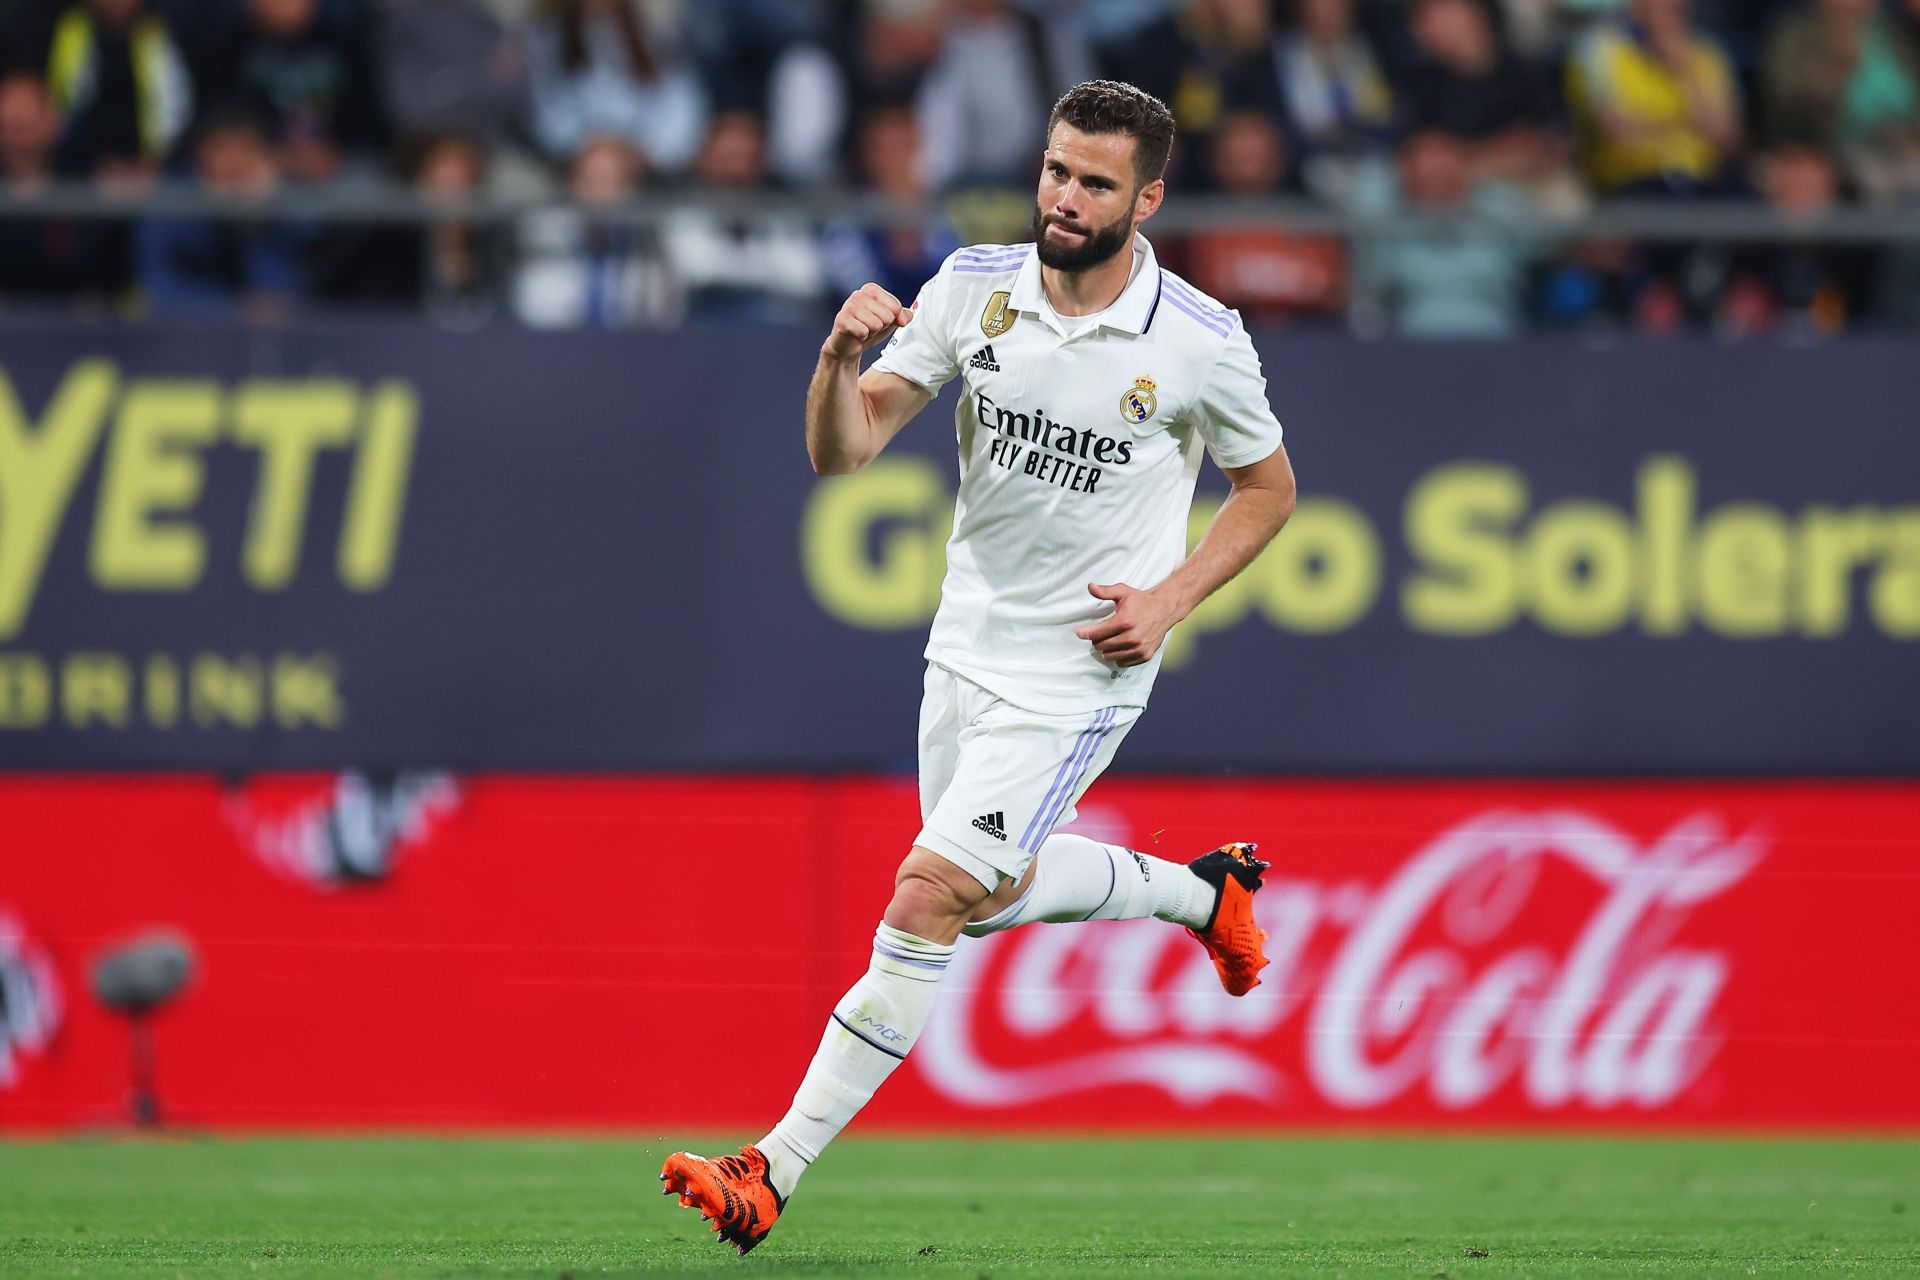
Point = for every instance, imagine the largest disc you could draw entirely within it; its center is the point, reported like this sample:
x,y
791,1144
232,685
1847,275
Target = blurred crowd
x,y
1459,134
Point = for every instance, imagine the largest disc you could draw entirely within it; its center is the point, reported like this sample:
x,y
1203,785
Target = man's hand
x,y
867,317
1133,632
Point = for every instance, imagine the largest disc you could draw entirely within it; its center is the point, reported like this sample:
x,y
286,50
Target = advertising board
x,y
426,951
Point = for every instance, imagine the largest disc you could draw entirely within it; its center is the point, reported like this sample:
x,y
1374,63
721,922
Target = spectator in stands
x,y
121,89
1268,273
1531,28
452,60
739,43
898,259
887,46
1203,59
988,95
1807,289
1840,73
582,269
446,267
742,264
772,56
455,268
1468,85
1461,277
599,69
42,258
307,74
1656,104
255,268
1340,108
28,129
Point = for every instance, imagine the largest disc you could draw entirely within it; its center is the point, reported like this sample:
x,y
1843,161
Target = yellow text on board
x,y
153,435
1477,557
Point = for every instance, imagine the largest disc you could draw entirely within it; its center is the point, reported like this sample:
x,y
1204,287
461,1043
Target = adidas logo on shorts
x,y
983,359
994,824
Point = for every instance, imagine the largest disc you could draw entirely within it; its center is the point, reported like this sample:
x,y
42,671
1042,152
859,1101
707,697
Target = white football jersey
x,y
1080,440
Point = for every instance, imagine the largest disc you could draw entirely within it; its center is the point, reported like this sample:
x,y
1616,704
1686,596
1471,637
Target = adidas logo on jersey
x,y
994,824
983,359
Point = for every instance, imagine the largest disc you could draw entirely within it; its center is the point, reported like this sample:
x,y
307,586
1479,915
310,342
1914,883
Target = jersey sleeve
x,y
1231,411
922,352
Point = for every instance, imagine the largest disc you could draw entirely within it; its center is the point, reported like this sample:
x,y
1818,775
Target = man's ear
x,y
1147,202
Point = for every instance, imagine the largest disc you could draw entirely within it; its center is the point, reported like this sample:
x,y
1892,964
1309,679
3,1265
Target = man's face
x,y
606,172
1087,208
1662,13
1453,31
27,123
1327,20
115,15
450,171
889,146
1433,170
735,152
1248,155
236,161
284,19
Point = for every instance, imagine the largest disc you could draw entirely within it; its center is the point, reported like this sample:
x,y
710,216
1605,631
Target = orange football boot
x,y
1231,937
731,1192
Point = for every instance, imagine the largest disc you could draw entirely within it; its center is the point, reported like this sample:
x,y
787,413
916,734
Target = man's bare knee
x,y
932,897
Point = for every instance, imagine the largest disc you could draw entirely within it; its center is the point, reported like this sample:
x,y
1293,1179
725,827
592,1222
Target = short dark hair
x,y
1111,106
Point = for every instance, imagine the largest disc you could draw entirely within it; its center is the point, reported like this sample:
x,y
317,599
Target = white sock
x,y
1076,878
871,1030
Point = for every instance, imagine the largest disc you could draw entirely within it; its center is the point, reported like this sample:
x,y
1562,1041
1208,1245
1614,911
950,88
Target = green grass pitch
x,y
1439,1207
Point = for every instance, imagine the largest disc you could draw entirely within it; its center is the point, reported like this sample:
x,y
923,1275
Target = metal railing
x,y
1701,221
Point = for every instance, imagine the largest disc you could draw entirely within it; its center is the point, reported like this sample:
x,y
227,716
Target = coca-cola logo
x,y
350,830
30,1003
1537,952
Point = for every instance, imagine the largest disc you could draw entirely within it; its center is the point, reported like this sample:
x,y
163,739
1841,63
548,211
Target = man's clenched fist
x,y
867,317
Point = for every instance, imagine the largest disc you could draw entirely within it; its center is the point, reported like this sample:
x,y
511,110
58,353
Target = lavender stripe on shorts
x,y
1086,762
1059,777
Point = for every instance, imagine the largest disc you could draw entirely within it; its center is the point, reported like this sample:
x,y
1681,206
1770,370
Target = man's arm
x,y
851,416
1253,513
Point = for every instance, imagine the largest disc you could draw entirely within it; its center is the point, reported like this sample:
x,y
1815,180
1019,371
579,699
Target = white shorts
x,y
996,779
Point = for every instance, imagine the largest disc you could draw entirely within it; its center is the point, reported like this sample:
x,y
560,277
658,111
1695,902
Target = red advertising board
x,y
663,953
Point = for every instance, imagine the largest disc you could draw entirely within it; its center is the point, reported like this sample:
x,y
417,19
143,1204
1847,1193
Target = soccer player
x,y
1092,382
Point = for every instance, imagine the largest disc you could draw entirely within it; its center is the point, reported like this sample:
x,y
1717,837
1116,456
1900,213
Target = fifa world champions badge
x,y
1138,402
997,319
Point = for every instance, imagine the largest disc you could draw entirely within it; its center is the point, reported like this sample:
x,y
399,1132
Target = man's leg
x,y
995,781
1075,878
877,1021
873,1027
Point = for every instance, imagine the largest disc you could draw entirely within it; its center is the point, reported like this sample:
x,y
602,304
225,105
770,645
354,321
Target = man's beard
x,y
1092,250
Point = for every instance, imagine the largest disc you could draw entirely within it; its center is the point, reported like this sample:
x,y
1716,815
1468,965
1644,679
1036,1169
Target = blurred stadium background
x,y
423,643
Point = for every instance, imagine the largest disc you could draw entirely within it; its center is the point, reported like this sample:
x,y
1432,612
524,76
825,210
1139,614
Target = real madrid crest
x,y
997,319
1138,402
